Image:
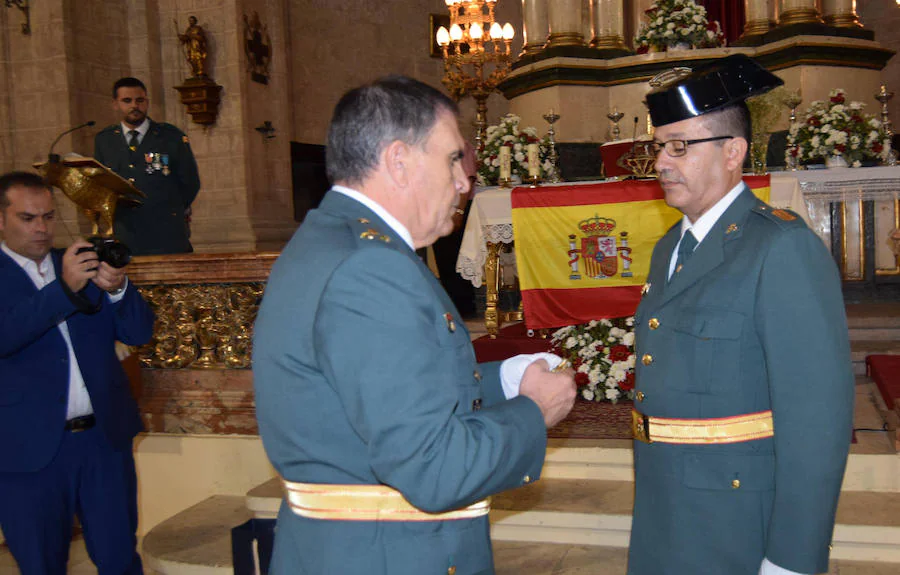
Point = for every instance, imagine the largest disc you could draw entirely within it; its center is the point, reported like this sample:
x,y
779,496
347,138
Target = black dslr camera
x,y
109,250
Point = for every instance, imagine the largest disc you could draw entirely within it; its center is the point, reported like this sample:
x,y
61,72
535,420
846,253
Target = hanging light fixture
x,y
474,43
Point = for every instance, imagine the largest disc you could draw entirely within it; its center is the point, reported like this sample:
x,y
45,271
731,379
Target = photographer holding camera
x,y
67,416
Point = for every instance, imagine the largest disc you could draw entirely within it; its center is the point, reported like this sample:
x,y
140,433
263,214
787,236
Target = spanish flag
x,y
583,251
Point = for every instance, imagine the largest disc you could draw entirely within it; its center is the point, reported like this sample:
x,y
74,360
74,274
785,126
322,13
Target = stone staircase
x,y
577,519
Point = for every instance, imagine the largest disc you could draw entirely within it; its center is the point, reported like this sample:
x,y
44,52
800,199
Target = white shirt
x,y
704,223
141,130
512,369
41,275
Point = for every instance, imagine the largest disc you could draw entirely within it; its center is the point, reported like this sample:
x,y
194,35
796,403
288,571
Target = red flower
x,y
840,148
581,379
837,99
618,353
628,383
877,147
643,49
814,122
855,118
794,151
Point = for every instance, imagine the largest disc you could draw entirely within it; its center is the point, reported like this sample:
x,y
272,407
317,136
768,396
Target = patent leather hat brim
x,y
722,83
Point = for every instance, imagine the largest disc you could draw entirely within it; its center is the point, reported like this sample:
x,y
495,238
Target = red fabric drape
x,y
729,13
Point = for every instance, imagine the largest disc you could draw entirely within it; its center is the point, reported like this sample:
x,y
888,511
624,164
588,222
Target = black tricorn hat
x,y
723,82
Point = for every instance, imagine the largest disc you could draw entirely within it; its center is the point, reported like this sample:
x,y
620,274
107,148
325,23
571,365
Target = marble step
x,y
591,512
196,541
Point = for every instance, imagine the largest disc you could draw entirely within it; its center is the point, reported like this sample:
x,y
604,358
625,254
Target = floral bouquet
x,y
507,133
673,22
602,353
836,128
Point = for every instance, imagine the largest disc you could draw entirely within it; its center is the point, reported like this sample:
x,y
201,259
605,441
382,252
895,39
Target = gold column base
x,y
530,49
608,42
757,27
565,39
800,16
494,318
848,20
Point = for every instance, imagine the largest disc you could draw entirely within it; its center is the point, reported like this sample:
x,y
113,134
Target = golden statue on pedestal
x,y
193,43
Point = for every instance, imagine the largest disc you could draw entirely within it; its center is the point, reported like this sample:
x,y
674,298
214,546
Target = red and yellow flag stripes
x,y
583,251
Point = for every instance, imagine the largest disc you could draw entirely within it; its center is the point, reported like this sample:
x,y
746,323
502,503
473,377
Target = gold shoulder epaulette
x,y
781,216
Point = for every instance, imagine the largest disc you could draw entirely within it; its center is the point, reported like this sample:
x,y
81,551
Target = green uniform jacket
x,y
163,167
754,321
361,377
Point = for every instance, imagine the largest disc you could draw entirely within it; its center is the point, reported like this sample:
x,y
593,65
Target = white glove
x,y
512,370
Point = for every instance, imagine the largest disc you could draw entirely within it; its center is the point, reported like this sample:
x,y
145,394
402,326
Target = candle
x,y
504,162
534,161
551,112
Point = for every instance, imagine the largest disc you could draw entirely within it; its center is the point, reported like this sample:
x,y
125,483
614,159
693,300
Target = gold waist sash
x,y
365,503
702,431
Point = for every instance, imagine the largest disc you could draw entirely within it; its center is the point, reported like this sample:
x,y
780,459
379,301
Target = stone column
x,y
565,23
534,25
760,16
840,13
798,12
608,24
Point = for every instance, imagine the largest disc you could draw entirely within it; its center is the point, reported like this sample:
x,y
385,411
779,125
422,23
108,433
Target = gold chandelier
x,y
473,42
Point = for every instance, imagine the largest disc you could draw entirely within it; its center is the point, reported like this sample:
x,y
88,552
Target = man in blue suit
x,y
744,388
387,434
67,416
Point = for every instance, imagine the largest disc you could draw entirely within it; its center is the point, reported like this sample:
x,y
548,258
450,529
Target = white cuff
x,y
117,295
512,370
769,568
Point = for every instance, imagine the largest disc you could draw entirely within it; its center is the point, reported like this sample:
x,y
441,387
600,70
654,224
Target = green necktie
x,y
133,140
685,249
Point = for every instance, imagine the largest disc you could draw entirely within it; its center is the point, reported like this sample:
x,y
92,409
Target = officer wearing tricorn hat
x,y
744,388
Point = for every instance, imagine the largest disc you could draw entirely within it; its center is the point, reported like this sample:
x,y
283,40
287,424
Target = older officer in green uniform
x,y
157,159
387,434
744,388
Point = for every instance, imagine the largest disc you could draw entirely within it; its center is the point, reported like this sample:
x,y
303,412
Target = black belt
x,y
82,423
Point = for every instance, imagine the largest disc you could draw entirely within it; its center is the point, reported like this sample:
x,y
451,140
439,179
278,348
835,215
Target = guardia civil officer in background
x,y
742,345
157,158
386,432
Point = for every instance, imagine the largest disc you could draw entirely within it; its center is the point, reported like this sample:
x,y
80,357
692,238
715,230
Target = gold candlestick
x,y
884,97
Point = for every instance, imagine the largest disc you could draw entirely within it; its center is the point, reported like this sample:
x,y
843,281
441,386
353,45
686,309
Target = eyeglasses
x,y
678,148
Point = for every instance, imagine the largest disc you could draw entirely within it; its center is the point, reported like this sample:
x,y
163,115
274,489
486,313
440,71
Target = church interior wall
x,y
883,18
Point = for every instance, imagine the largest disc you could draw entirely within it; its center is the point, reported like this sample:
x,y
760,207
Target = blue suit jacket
x,y
754,321
360,380
34,363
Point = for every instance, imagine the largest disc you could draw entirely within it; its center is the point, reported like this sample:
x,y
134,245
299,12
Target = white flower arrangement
x,y
837,128
673,22
602,354
508,133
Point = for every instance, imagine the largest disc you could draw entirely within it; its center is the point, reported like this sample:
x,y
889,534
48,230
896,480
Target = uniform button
x,y
526,479
639,395
653,323
131,166
830,546
477,375
131,180
476,404
647,359
735,484
451,570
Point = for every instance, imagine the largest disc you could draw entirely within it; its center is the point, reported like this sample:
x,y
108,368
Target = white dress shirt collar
x,y
379,211
142,130
704,223
28,263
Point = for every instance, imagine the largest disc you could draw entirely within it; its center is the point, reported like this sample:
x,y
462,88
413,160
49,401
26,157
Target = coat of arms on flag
x,y
599,251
